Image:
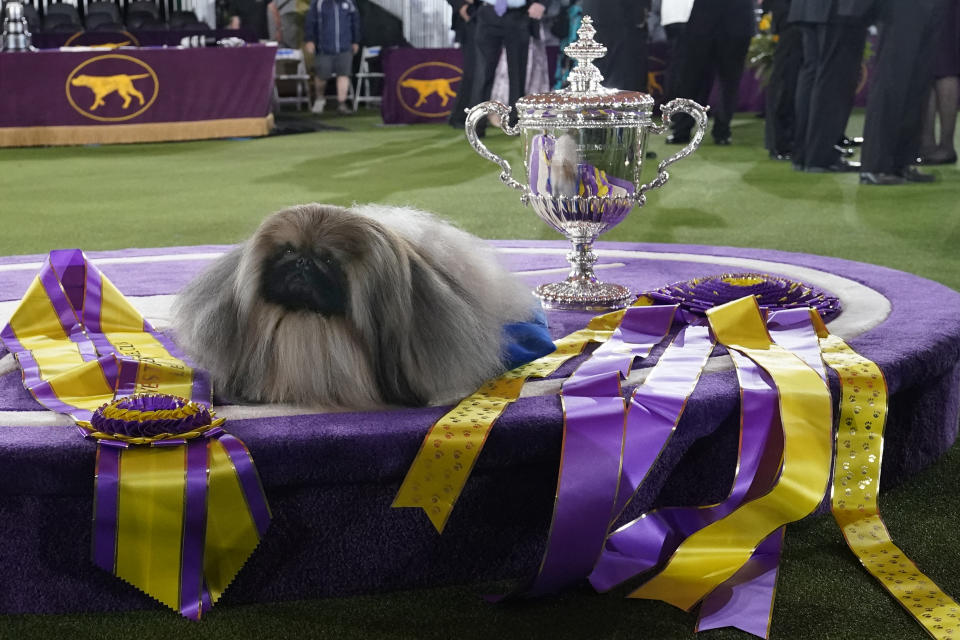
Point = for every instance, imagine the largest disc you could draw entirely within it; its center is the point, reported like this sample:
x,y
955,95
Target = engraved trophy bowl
x,y
583,150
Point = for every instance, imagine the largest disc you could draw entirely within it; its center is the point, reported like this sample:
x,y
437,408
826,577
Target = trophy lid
x,y
585,103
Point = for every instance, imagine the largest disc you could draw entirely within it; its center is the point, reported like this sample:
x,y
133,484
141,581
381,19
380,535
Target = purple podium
x,y
330,477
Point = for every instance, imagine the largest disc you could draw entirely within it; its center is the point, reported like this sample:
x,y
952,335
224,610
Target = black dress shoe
x,y
878,178
776,155
650,155
840,166
675,139
912,174
722,141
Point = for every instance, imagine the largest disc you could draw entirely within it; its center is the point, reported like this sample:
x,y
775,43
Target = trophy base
x,y
584,296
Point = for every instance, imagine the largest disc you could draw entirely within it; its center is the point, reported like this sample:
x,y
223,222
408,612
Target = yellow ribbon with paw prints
x,y
856,483
448,453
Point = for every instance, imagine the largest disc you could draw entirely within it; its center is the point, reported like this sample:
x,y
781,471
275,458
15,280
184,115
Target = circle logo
x,y
426,89
112,88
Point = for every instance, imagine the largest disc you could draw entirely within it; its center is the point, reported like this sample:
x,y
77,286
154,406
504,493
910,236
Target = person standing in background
x,y
674,15
248,14
900,87
504,24
827,84
285,23
333,37
465,30
945,93
717,39
622,27
782,88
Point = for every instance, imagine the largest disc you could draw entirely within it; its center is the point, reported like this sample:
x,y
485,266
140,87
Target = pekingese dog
x,y
352,308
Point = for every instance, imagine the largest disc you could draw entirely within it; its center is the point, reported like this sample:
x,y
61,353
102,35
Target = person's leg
x,y
698,58
343,68
947,91
922,22
676,38
490,40
901,84
323,69
517,46
731,54
343,88
928,137
805,78
464,100
841,53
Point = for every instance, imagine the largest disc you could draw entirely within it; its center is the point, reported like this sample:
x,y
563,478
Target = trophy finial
x,y
585,77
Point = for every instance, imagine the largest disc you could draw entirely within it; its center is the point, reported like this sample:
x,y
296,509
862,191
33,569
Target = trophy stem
x,y
581,290
581,260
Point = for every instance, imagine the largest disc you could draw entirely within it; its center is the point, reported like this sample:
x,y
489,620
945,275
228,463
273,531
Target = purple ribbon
x,y
643,543
744,601
194,529
594,425
106,496
249,480
656,406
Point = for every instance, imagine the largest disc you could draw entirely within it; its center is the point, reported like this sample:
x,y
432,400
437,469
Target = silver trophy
x,y
16,34
583,150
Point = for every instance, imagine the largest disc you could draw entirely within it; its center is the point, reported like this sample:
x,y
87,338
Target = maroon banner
x,y
420,85
58,88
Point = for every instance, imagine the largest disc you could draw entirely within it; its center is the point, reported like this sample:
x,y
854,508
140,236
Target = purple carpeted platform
x,y
330,477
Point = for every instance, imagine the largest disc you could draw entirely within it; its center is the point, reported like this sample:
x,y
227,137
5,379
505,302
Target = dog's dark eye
x,y
287,249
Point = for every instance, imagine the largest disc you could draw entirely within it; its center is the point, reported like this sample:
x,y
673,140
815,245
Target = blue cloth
x,y
333,26
527,341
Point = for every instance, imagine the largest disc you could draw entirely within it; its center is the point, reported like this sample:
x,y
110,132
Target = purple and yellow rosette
x,y
772,293
178,503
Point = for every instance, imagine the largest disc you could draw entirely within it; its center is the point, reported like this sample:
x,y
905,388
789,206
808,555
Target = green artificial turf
x,y
217,192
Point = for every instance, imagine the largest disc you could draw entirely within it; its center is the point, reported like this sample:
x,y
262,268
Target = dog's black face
x,y
300,279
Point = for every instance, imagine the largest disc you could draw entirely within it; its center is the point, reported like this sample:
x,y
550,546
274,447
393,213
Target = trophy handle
x,y
699,115
482,110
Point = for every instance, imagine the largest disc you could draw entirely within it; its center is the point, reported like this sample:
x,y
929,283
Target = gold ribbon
x,y
151,482
715,553
448,453
856,485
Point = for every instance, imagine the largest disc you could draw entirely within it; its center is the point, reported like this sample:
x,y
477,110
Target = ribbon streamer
x,y
452,444
856,485
593,438
715,553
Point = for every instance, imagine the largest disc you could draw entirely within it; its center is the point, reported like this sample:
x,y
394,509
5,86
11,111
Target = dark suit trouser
x,y
468,46
625,64
826,87
677,39
510,31
725,56
782,91
901,82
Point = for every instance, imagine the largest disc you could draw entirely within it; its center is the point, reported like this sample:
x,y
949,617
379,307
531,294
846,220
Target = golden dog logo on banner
x,y
423,81
114,94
